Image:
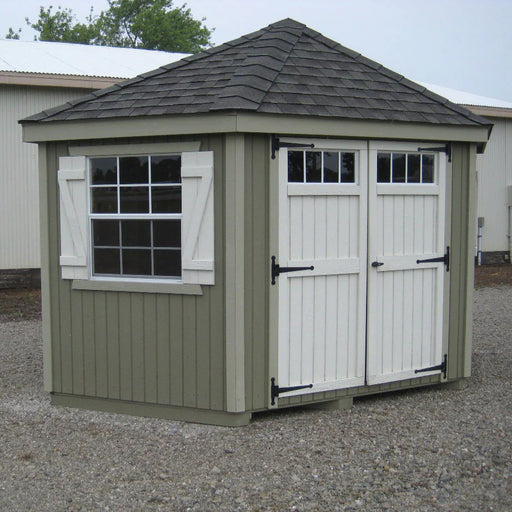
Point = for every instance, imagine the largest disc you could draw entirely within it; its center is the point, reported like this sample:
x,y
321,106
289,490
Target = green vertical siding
x,y
257,277
461,259
143,347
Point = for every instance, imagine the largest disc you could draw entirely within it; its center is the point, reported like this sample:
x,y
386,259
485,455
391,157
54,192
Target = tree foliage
x,y
62,26
149,24
13,35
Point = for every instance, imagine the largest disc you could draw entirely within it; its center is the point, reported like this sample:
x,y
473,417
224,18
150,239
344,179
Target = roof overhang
x,y
51,80
489,111
249,123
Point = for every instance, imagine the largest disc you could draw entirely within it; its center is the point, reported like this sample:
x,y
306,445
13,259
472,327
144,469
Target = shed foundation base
x,y
189,414
331,405
455,385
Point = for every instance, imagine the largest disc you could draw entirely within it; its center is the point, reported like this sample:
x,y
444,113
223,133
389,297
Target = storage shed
x,y
276,221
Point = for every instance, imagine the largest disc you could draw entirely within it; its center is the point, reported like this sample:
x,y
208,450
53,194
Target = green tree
x,y
152,24
62,26
149,24
13,35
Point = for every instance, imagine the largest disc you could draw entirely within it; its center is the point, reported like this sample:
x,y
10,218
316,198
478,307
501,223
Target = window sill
x,y
137,287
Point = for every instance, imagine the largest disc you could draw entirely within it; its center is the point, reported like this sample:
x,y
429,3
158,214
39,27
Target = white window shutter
x,y
197,252
73,217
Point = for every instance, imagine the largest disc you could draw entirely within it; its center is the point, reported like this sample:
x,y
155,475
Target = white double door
x,y
368,312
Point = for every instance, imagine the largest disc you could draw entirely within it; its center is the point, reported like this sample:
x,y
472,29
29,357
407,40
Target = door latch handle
x,y
377,263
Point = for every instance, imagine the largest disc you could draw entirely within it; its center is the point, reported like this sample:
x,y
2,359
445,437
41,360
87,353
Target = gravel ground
x,y
422,450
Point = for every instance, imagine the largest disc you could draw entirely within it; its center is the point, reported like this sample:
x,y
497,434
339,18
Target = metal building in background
x,y
35,76
494,172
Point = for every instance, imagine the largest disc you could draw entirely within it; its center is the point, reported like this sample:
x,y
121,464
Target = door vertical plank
x,y
319,340
387,291
308,326
353,324
295,230
332,227
332,315
343,339
398,320
408,319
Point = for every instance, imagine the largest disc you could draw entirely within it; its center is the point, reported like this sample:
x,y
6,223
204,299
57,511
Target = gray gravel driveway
x,y
421,450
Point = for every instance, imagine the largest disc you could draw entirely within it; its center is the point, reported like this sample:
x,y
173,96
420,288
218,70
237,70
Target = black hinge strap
x,y
275,390
277,269
445,149
442,259
277,145
442,367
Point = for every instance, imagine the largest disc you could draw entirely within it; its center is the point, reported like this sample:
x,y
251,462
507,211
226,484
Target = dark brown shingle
x,y
285,68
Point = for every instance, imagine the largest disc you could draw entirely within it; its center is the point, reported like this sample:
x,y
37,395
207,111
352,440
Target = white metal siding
x,y
19,198
494,175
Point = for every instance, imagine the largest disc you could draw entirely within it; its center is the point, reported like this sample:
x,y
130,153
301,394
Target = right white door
x,y
405,295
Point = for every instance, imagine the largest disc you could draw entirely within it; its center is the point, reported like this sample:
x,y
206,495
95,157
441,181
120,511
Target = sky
x,y
462,44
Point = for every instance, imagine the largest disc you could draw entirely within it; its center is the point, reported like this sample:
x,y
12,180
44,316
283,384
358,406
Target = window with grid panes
x,y
321,167
405,168
135,216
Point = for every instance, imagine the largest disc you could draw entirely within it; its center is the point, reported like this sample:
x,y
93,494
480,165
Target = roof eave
x,y
249,122
52,80
485,111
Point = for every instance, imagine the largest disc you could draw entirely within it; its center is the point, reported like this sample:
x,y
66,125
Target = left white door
x,y
322,223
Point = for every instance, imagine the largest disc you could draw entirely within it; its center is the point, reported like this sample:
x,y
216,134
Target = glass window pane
x,y
348,168
167,262
413,168
167,233
296,166
103,171
133,169
166,169
383,167
331,167
104,200
136,233
105,232
427,168
136,262
313,167
398,168
106,261
166,199
134,199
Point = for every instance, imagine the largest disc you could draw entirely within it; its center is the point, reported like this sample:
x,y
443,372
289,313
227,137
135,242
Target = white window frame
x,y
127,216
146,284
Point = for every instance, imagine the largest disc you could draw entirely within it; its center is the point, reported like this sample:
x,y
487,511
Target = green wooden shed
x,y
273,222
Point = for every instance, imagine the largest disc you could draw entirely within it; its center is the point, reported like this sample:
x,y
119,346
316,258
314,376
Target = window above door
x,y
401,167
321,166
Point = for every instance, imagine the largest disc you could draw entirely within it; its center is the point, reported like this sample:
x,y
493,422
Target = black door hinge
x,y
277,269
275,390
445,149
442,367
444,259
277,145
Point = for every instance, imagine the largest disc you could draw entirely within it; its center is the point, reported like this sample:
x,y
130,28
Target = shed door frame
x,y
274,239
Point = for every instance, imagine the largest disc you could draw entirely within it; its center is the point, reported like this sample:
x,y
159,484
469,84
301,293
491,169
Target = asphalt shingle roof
x,y
285,68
